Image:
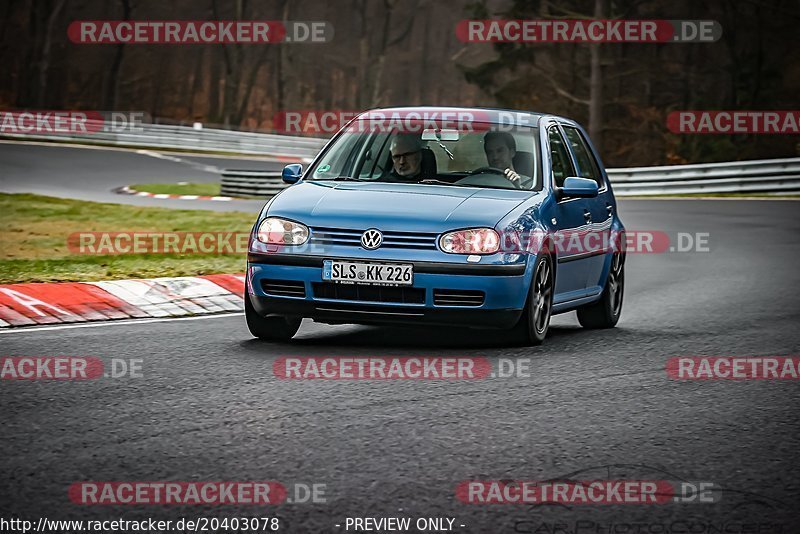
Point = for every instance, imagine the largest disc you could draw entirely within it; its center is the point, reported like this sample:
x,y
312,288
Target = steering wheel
x,y
501,172
526,182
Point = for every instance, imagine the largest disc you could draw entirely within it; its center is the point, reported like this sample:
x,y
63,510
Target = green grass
x,y
180,189
33,243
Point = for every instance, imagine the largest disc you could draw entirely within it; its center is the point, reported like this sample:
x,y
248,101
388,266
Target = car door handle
x,y
587,215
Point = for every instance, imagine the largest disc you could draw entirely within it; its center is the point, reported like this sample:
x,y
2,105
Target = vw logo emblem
x,y
371,239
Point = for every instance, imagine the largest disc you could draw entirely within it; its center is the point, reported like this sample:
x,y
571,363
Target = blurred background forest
x,y
405,52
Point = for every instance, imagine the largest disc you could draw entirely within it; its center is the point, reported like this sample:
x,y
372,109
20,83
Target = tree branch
x,y
563,92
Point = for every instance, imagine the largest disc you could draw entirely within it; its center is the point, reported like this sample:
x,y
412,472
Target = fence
x,y
763,176
173,137
773,176
236,183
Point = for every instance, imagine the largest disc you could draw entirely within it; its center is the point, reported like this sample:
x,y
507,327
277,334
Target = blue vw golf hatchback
x,y
492,219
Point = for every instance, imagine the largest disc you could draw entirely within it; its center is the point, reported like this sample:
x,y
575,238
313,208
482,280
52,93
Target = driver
x,y
406,151
500,149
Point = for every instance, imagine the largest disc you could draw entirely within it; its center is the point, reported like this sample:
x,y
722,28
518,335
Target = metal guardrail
x,y
167,137
240,183
762,176
775,175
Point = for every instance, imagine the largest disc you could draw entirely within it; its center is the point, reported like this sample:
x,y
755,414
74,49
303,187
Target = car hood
x,y
389,206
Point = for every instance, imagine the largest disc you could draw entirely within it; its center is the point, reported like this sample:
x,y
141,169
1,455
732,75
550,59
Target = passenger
x,y
500,149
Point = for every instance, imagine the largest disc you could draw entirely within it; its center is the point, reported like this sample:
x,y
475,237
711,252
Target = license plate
x,y
356,272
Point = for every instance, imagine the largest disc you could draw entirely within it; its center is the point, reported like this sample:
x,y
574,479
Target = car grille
x,y
284,288
401,295
342,236
457,297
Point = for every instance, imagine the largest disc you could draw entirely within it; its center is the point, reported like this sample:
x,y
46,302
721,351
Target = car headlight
x,y
275,231
471,241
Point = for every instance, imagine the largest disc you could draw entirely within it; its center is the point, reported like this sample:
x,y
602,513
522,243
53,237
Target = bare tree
x,y
596,84
111,94
44,62
371,90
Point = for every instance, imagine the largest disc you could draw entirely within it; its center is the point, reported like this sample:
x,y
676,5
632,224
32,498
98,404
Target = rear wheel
x,y
535,320
605,312
269,328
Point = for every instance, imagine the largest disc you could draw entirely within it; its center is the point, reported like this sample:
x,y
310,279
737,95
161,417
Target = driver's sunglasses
x,y
398,157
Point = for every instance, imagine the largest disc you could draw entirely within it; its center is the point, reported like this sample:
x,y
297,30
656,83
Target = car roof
x,y
487,115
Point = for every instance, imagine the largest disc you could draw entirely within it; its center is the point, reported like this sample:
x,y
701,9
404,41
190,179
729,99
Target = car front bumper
x,y
502,286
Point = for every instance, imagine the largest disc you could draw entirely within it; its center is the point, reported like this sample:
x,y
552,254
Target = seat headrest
x,y
523,163
428,165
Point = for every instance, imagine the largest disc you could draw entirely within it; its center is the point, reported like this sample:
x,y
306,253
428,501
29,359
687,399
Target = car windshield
x,y
467,155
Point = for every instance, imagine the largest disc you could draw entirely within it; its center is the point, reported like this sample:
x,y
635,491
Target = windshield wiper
x,y
449,154
434,181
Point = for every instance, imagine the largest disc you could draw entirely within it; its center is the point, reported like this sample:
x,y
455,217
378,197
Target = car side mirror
x,y
578,188
292,173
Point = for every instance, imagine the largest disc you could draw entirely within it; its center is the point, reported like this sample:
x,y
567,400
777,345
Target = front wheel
x,y
605,312
269,328
535,320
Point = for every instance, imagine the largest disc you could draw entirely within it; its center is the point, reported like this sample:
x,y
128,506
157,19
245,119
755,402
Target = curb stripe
x,y
127,190
75,302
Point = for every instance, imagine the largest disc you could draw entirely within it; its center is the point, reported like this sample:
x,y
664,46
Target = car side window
x,y
375,157
588,167
339,162
559,157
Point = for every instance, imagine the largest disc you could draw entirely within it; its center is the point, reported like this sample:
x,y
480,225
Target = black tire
x,y
535,320
269,328
605,312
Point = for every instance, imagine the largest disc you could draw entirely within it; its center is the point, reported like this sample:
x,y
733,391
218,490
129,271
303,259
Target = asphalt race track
x,y
597,404
93,173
